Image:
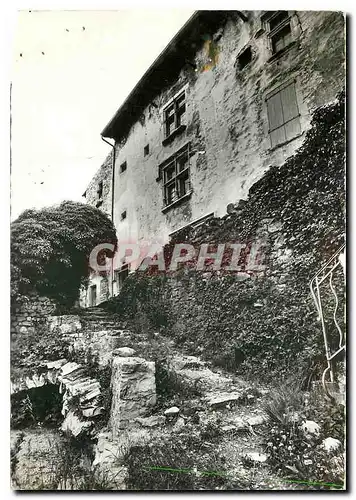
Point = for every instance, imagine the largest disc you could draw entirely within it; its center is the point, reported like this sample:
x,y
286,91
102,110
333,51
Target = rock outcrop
x,y
133,391
81,393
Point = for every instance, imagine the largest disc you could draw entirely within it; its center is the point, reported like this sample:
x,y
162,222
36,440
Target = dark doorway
x,y
92,296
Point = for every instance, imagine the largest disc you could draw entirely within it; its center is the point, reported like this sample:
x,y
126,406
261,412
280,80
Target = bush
x,y
292,454
50,249
303,460
28,351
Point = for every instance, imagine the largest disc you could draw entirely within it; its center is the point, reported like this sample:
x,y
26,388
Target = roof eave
x,y
108,131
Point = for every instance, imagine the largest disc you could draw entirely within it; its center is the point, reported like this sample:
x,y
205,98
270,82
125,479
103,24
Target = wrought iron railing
x,y
320,286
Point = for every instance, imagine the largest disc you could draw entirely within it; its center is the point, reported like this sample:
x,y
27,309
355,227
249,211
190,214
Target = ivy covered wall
x,y
265,323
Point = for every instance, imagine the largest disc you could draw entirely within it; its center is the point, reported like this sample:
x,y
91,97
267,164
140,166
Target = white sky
x,y
62,99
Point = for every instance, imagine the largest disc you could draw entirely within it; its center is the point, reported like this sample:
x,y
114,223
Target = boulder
x,y
310,428
256,457
152,421
133,391
222,400
36,460
124,352
74,425
330,444
256,420
179,424
172,412
228,428
183,362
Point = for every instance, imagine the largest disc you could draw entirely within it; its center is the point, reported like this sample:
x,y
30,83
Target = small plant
x,y
171,387
40,405
284,401
179,464
292,453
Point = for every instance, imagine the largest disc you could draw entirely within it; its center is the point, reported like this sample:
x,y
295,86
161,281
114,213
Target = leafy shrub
x,y
142,298
292,454
301,459
27,351
50,249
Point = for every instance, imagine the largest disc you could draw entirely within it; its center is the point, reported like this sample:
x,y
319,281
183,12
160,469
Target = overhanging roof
x,y
164,70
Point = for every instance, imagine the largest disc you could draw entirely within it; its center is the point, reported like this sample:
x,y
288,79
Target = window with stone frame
x,y
283,114
175,174
278,27
173,114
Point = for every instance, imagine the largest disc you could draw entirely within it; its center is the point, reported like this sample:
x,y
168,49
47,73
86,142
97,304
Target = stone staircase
x,y
102,332
96,318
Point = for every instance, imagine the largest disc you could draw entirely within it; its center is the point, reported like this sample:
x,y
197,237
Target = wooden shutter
x,y
283,115
275,118
290,111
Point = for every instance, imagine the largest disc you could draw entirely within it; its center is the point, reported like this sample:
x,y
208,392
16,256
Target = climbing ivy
x,y
265,325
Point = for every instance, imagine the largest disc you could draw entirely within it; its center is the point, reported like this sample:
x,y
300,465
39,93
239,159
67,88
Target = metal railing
x,y
325,276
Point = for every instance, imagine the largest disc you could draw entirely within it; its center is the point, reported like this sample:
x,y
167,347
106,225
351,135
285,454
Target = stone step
x,y
96,313
104,326
108,317
102,320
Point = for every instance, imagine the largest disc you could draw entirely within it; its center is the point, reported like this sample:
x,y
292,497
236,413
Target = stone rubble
x,y
73,382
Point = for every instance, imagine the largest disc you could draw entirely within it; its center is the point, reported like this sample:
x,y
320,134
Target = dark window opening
x,y
92,296
146,150
123,215
277,19
123,167
176,178
281,39
245,57
100,190
121,275
173,114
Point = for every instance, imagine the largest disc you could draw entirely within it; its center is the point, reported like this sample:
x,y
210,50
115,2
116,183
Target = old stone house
x,y
230,96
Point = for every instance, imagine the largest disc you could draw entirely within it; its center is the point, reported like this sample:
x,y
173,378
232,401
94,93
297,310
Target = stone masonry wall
x,y
226,121
25,317
265,321
91,194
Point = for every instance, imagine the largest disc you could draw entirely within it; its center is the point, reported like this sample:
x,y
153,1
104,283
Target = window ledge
x,y
177,202
270,150
175,132
280,53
